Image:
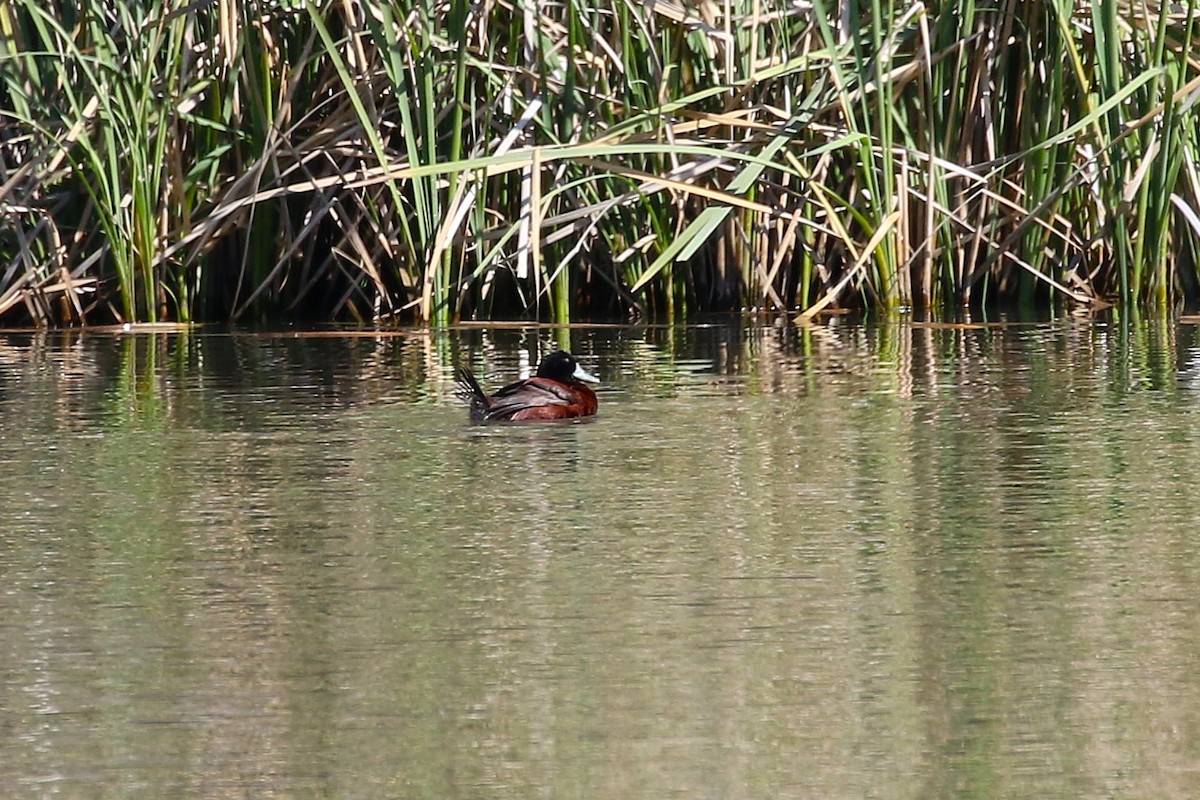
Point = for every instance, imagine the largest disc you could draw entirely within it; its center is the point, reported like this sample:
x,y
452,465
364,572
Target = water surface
x,y
895,561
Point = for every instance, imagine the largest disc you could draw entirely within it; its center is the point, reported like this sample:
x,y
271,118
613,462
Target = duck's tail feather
x,y
471,393
468,388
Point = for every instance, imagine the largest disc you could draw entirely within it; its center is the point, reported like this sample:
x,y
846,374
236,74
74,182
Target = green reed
x,y
421,161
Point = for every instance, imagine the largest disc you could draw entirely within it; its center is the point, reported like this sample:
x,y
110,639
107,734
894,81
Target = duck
x,y
558,391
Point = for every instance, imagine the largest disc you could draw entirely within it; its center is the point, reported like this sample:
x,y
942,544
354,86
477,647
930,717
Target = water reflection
x,y
841,561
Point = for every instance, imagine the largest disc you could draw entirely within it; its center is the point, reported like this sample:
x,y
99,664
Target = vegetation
x,y
361,160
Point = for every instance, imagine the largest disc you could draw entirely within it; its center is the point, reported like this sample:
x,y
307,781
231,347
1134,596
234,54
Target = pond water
x,y
845,561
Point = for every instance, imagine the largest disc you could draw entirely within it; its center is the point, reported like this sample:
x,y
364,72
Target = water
x,y
841,562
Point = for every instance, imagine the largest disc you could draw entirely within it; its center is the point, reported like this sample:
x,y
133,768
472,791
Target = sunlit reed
x,y
364,161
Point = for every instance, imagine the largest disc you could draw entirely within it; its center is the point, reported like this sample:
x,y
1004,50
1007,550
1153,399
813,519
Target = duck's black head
x,y
561,366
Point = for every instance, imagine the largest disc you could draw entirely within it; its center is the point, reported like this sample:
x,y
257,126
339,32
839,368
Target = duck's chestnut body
x,y
557,391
